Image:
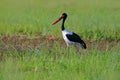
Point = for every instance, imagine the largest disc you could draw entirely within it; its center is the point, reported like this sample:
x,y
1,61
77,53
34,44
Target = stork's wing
x,y
75,38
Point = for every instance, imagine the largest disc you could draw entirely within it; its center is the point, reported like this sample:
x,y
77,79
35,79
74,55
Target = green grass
x,y
91,19
57,64
88,18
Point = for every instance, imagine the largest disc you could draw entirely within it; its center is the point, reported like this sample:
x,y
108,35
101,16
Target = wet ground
x,y
12,42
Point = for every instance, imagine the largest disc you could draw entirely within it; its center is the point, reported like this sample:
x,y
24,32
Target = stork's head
x,y
63,16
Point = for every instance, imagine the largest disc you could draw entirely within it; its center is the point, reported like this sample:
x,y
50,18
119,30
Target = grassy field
x,y
32,49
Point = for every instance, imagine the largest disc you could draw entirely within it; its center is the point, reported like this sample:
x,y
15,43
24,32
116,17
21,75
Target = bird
x,y
69,37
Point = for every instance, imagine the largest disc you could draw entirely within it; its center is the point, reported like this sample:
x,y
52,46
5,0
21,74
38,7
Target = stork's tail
x,y
83,45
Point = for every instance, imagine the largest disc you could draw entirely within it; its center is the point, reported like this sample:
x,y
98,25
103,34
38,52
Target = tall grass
x,y
57,64
88,18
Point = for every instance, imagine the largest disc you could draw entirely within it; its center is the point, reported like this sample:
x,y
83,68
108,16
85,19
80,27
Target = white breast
x,y
64,32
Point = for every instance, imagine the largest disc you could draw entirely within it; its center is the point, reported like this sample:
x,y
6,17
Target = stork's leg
x,y
67,45
68,49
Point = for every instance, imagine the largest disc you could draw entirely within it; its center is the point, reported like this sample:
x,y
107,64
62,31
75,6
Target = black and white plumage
x,y
70,38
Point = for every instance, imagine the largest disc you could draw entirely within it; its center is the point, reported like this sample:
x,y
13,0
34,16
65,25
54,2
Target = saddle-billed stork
x,y
70,38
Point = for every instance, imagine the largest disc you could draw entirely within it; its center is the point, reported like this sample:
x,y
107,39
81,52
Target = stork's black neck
x,y
62,27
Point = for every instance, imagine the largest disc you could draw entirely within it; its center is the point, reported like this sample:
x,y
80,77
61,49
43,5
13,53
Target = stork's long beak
x,y
58,20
